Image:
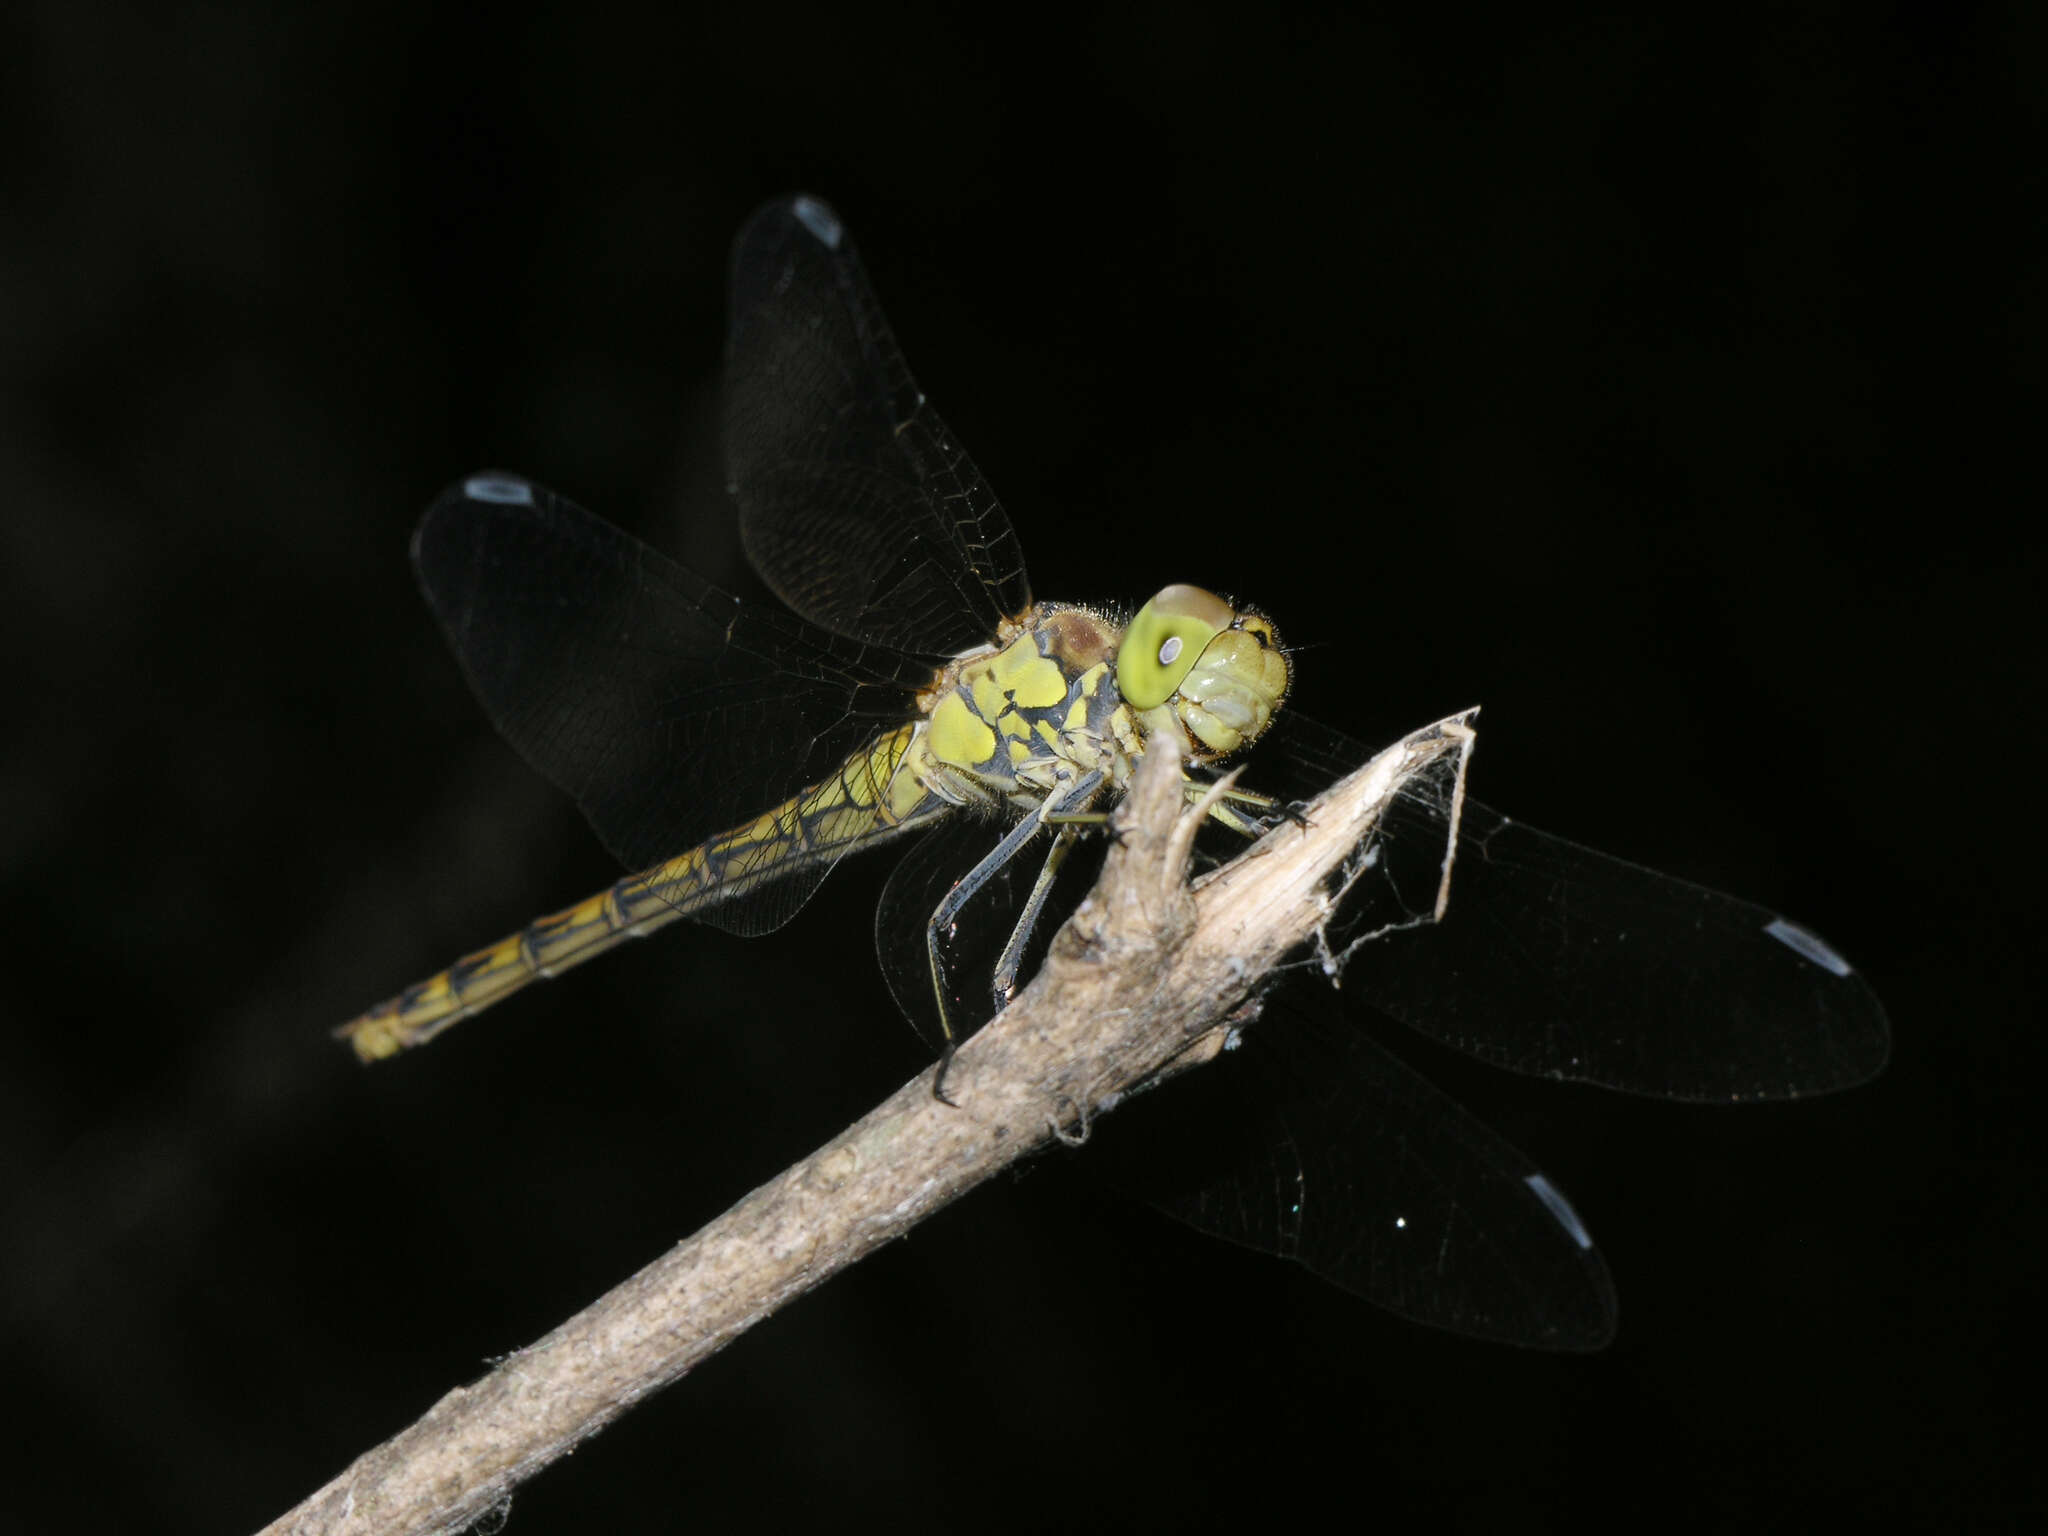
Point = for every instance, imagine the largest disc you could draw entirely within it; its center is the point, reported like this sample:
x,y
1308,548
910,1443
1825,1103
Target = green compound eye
x,y
1162,644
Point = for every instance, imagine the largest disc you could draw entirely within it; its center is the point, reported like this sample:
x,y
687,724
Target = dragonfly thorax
x,y
1012,722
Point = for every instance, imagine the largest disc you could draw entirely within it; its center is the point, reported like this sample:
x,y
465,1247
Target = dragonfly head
x,y
1221,668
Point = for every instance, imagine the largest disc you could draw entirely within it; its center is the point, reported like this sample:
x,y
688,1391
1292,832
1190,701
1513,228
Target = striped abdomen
x,y
867,800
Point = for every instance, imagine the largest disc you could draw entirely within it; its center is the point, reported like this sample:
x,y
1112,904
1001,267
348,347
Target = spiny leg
x,y
964,891
1005,979
1070,823
1225,809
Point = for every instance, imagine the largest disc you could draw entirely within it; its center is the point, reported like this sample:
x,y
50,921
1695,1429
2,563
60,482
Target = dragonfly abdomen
x,y
872,796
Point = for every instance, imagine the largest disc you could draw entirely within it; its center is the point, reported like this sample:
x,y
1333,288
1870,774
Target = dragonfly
x,y
730,753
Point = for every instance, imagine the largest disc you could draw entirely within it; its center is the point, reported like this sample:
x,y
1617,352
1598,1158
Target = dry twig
x,y
1143,980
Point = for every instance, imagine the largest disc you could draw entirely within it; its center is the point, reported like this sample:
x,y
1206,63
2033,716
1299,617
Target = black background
x,y
1672,389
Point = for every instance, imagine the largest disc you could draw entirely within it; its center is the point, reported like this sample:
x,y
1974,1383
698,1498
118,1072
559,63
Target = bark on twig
x,y
1144,979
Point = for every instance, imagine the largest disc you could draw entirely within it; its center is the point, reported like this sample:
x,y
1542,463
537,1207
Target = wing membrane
x,y
1313,1143
666,709
857,505
1561,962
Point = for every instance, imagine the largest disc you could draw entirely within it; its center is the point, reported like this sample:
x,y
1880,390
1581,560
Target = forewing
x,y
857,505
1561,962
666,709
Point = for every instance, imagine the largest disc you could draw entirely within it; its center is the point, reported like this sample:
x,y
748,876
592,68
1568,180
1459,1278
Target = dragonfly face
x,y
1223,671
731,754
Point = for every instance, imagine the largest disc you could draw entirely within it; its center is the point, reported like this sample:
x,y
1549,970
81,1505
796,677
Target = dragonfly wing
x,y
1311,1142
928,870
857,505
1561,962
666,709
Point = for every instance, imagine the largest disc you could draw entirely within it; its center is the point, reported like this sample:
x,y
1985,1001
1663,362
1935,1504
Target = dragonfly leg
x,y
1225,808
1005,980
965,889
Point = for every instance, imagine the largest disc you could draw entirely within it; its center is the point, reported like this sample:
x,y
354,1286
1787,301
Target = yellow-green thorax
x,y
1038,709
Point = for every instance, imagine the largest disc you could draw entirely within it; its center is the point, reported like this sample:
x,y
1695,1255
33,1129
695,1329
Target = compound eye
x,y
1164,640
